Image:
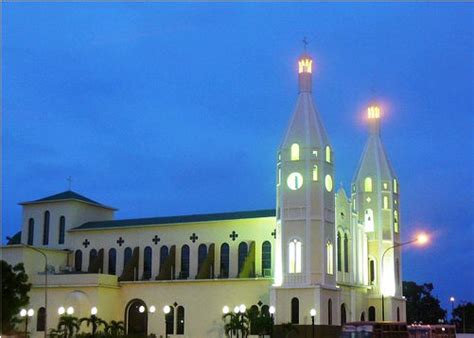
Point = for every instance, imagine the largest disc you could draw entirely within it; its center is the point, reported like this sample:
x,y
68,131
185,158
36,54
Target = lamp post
x,y
420,239
225,310
242,309
166,310
452,299
312,312
272,312
26,314
45,283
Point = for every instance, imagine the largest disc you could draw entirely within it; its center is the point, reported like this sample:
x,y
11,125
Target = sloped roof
x,y
65,196
16,239
175,219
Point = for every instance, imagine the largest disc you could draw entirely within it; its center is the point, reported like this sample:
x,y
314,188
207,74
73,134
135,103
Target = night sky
x,y
170,109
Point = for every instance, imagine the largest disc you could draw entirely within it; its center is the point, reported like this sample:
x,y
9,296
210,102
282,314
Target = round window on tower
x,y
328,183
294,181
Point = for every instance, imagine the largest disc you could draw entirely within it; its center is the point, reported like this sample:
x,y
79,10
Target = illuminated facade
x,y
318,249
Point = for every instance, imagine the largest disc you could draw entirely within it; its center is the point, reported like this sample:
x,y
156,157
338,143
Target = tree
x,y
69,325
115,328
93,321
422,306
463,316
238,322
15,288
260,321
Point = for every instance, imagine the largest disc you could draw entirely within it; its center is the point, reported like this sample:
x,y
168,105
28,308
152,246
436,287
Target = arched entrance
x,y
136,318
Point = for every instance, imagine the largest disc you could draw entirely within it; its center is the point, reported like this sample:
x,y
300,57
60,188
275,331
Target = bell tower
x,y
305,243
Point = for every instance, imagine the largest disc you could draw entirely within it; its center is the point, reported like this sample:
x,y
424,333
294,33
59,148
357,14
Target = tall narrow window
x,y
395,221
266,259
184,274
180,320
395,186
368,184
295,152
339,251
31,231
330,311
243,251
127,257
41,319
315,172
328,154
62,229
169,320
398,314
78,260
112,261
343,314
46,228
295,311
163,255
330,258
279,176
385,202
346,253
369,220
397,271
371,271
294,256
225,260
92,258
147,263
202,255
372,314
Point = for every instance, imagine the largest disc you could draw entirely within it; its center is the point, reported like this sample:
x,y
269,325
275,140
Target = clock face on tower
x,y
294,181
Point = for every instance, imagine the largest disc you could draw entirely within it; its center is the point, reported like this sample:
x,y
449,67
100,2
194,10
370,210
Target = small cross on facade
x,y
69,181
274,233
233,235
86,243
120,241
156,239
193,237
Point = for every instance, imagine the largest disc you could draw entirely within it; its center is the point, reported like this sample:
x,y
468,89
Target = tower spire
x,y
374,115
305,68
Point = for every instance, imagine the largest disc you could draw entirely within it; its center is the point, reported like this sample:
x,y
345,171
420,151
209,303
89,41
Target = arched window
x,y
46,228
243,251
395,221
330,258
395,186
180,320
41,319
265,311
362,316
371,314
163,254
369,220
343,314
92,257
266,259
225,260
147,263
184,274
330,311
339,251
112,261
31,231
398,314
62,229
295,152
202,255
78,260
127,257
371,271
294,256
397,271
315,172
169,319
136,320
368,184
346,253
295,310
328,154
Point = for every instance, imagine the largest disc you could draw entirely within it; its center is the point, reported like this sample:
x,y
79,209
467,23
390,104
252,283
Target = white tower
x,y
305,214
375,197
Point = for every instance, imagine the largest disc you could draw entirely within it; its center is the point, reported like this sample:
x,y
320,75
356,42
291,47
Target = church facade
x,y
319,249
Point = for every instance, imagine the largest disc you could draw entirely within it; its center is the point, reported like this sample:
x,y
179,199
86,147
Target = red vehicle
x,y
431,331
375,330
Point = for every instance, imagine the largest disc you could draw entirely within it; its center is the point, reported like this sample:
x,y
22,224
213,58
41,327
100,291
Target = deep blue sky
x,y
165,109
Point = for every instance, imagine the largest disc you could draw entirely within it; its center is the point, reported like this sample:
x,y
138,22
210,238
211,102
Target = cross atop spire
x,y
305,43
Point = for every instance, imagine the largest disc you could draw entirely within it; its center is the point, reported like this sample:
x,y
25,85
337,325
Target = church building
x,y
319,249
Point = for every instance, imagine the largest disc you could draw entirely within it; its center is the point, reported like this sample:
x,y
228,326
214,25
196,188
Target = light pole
x,y
420,239
26,314
225,310
452,299
272,312
312,312
45,283
166,310
242,309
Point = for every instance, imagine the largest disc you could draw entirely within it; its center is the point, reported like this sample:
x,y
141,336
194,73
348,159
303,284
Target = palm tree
x,y
115,328
94,321
56,333
69,325
237,322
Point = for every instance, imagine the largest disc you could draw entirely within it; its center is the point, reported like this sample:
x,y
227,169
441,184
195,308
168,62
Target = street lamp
x,y
312,312
166,310
61,310
225,309
70,310
45,283
152,309
93,311
242,309
272,313
420,239
452,299
26,314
